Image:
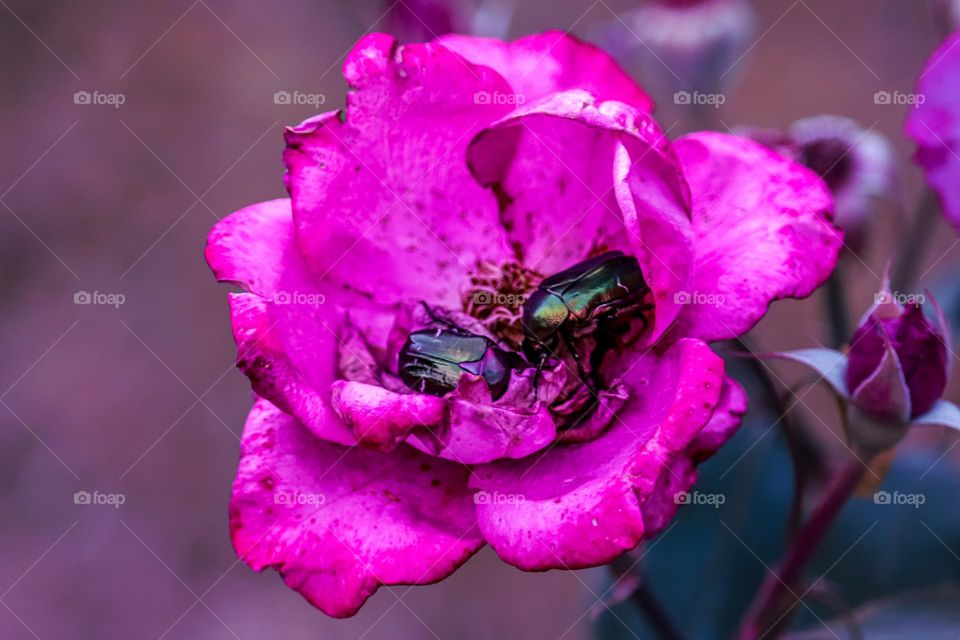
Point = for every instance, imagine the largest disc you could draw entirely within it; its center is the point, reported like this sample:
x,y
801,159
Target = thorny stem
x,y
645,600
777,598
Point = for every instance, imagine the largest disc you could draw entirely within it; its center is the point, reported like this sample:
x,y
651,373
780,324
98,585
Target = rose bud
x,y
892,376
897,365
683,45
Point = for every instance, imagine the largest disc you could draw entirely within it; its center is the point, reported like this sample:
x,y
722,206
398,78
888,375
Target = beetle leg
x,y
576,357
536,378
435,318
596,359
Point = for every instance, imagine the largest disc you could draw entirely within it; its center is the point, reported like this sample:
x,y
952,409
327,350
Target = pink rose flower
x,y
934,124
466,165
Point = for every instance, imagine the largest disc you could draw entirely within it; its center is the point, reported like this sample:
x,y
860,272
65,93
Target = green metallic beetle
x,y
601,295
432,360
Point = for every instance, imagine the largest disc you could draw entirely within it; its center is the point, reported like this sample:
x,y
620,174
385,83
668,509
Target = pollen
x,y
495,298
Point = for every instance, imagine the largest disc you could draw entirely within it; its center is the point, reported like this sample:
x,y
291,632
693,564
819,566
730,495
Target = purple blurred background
x,y
141,399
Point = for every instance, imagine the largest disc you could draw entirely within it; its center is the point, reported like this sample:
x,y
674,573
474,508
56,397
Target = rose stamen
x,y
495,298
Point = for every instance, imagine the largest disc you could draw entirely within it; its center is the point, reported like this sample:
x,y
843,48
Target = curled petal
x,y
381,419
477,430
536,513
339,522
289,357
725,421
575,177
255,248
544,63
602,409
382,198
763,232
663,502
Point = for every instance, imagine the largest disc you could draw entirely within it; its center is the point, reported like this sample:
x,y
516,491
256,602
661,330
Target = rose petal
x,y
339,522
934,124
544,63
584,177
763,233
477,430
289,355
884,394
924,357
867,347
382,419
255,248
382,199
725,421
583,505
662,504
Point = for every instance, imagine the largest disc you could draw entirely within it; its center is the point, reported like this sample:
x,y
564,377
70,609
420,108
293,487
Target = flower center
x,y
496,296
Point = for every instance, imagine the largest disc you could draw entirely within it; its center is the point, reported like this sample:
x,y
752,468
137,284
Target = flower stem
x,y
803,453
641,595
837,315
777,598
656,616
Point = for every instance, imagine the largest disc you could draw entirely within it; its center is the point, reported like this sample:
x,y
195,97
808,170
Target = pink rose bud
x,y
898,363
691,49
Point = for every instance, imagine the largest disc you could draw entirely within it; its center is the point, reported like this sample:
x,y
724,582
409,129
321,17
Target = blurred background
x,y
110,193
